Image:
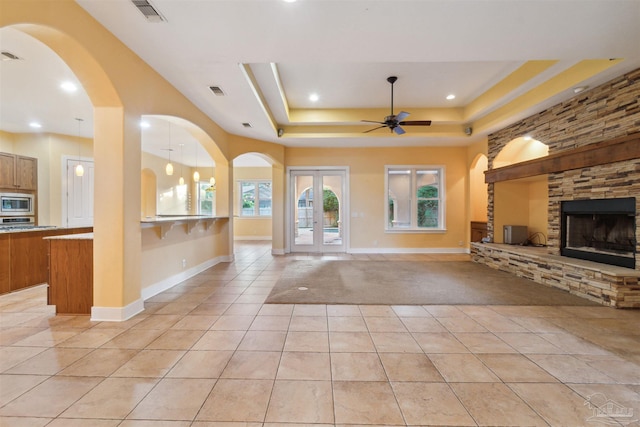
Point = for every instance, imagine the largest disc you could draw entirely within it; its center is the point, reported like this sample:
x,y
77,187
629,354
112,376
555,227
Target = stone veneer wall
x,y
606,112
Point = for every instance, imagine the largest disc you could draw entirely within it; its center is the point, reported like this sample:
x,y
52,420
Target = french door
x,y
318,210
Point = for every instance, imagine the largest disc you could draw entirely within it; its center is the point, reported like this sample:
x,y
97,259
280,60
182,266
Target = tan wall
x,y
478,190
246,228
522,202
6,142
162,257
367,200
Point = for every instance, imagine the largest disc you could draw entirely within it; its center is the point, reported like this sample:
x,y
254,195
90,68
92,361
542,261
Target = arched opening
x,y
521,202
177,159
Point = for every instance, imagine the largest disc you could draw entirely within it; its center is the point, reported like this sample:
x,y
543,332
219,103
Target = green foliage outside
x,y
331,205
427,209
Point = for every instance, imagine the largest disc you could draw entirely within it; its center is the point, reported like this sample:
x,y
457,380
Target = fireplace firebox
x,y
601,230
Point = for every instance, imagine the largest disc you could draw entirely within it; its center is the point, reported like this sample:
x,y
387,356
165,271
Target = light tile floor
x,y
209,353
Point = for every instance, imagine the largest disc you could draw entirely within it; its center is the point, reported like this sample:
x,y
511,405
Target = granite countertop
x,y
79,236
32,228
173,218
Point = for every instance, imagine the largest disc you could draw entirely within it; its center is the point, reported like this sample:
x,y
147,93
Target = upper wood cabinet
x,y
18,172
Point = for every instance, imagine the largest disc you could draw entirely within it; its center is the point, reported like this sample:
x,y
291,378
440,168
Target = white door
x,y
79,194
318,210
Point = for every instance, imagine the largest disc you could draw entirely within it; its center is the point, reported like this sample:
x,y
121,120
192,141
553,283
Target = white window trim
x,y
257,205
414,206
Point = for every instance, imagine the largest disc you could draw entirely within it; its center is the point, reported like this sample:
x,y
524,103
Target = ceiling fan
x,y
392,121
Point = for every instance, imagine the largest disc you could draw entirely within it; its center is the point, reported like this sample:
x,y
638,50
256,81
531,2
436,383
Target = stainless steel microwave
x,y
16,204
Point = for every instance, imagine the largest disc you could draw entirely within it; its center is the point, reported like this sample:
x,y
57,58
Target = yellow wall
x,y
162,257
250,228
6,142
367,200
478,195
521,202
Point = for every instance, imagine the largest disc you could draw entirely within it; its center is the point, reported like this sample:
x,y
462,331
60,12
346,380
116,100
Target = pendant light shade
x,y
169,168
181,180
79,169
212,181
196,174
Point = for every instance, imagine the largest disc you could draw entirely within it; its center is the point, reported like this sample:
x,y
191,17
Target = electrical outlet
x,y
184,263
460,243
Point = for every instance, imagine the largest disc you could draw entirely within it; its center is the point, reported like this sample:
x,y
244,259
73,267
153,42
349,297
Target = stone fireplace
x,y
600,230
593,182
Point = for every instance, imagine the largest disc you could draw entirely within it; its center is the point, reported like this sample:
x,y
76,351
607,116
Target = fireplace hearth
x,y
600,230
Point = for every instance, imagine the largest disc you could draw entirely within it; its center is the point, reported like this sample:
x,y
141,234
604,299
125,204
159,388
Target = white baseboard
x,y
120,314
117,314
409,251
277,252
251,237
169,282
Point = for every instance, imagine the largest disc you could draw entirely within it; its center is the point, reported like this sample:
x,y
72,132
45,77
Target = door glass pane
x,y
303,210
331,209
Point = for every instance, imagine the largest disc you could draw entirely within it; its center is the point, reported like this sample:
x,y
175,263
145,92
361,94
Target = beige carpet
x,y
409,283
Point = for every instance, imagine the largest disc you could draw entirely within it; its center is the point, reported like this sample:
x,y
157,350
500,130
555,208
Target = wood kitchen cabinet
x,y
24,257
5,263
18,172
71,273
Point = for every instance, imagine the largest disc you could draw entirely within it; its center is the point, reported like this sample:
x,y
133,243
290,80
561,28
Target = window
x,y
206,198
255,198
415,198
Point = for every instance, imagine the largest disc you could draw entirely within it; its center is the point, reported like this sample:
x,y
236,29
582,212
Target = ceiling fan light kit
x,y
392,121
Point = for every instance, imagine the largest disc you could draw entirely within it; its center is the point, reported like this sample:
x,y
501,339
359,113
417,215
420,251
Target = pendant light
x,y
196,174
181,180
79,168
169,168
212,180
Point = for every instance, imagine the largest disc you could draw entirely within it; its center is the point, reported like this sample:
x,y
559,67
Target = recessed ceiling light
x,y
35,125
580,89
144,125
69,87
451,96
313,97
289,1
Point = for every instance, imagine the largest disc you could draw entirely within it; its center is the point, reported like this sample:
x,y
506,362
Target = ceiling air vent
x,y
8,56
216,90
247,125
148,10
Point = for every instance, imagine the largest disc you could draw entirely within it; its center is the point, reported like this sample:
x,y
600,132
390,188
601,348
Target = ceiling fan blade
x,y
416,123
371,130
398,130
402,115
371,121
